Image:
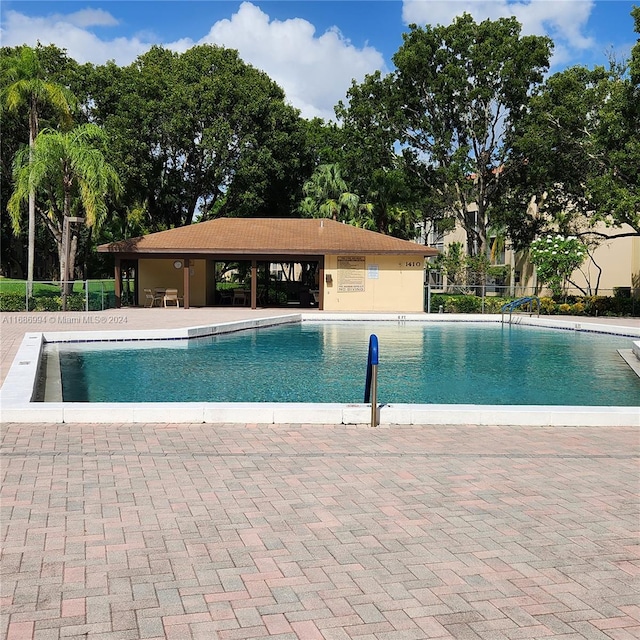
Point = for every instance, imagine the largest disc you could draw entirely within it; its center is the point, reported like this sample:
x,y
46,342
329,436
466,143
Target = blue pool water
x,y
419,363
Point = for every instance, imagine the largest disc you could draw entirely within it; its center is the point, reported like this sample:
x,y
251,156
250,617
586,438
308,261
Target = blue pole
x,y
372,360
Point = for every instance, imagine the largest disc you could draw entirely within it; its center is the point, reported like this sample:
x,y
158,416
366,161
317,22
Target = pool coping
x,y
17,405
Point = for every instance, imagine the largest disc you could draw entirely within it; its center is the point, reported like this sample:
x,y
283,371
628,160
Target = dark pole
x,y
66,248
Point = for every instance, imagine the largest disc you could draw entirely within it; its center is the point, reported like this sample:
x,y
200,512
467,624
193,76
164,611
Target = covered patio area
x,y
273,262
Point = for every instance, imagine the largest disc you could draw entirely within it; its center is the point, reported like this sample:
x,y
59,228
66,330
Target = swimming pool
x,y
420,363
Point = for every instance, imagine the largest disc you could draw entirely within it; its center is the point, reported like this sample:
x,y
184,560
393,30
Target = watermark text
x,y
57,319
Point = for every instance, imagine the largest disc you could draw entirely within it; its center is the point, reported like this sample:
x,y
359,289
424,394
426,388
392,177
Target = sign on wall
x,y
350,274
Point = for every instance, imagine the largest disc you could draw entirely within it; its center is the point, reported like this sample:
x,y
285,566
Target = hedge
x,y
616,306
53,302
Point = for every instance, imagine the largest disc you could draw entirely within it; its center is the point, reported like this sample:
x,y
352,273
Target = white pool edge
x,y
19,387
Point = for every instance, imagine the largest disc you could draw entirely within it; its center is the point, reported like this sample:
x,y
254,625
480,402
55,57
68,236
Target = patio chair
x,y
171,296
240,297
151,298
225,296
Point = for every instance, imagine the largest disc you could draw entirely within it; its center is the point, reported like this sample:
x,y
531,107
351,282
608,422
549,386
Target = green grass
x,y
12,285
47,296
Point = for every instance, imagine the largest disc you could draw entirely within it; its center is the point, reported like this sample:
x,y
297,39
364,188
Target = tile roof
x,y
267,236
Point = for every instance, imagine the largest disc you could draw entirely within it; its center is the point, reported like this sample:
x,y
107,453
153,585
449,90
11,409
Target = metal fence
x,y
80,295
489,298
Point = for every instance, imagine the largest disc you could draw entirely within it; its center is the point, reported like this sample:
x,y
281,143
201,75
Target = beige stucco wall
x,y
619,260
161,273
399,285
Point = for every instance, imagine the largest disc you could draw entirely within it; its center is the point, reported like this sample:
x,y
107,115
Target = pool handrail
x,y
514,304
371,384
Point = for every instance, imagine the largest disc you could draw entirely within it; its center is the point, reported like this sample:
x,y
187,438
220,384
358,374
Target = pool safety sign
x,y
350,274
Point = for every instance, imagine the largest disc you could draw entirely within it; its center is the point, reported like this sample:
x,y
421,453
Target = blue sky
x,y
312,48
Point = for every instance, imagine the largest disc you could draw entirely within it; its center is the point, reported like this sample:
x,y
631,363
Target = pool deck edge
x,y
308,413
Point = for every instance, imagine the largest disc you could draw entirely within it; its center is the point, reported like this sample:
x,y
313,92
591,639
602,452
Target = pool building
x,y
318,262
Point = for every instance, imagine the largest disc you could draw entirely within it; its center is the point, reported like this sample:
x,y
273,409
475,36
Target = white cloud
x,y
92,18
563,20
81,44
315,70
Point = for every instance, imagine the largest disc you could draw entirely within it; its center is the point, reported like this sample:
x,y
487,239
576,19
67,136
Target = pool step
x,y
632,357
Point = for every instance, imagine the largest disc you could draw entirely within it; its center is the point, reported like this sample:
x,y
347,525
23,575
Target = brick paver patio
x,y
319,532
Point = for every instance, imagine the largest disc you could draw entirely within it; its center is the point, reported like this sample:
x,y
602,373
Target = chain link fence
x,y
81,295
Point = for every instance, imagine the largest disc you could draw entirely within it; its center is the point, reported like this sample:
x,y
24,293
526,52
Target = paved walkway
x,y
324,532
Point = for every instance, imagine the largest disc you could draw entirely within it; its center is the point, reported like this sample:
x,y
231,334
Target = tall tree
x,y
578,149
615,185
70,173
25,84
210,135
15,130
455,95
372,165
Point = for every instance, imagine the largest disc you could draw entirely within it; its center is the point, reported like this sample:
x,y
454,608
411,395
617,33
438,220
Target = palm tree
x,y
69,169
24,83
391,209
328,196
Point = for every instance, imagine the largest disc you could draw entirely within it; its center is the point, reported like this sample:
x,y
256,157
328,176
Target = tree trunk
x,y
31,246
73,249
70,272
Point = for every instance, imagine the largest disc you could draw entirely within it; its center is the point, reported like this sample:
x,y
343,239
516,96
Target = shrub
x,y
460,304
12,302
469,304
547,305
75,302
616,306
494,305
47,303
621,292
576,305
437,301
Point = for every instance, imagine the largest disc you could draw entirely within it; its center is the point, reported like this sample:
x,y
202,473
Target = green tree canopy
x,y
577,149
200,133
327,195
456,95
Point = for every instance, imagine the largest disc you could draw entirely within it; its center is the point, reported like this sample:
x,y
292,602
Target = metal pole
x,y
66,247
371,384
374,395
65,253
